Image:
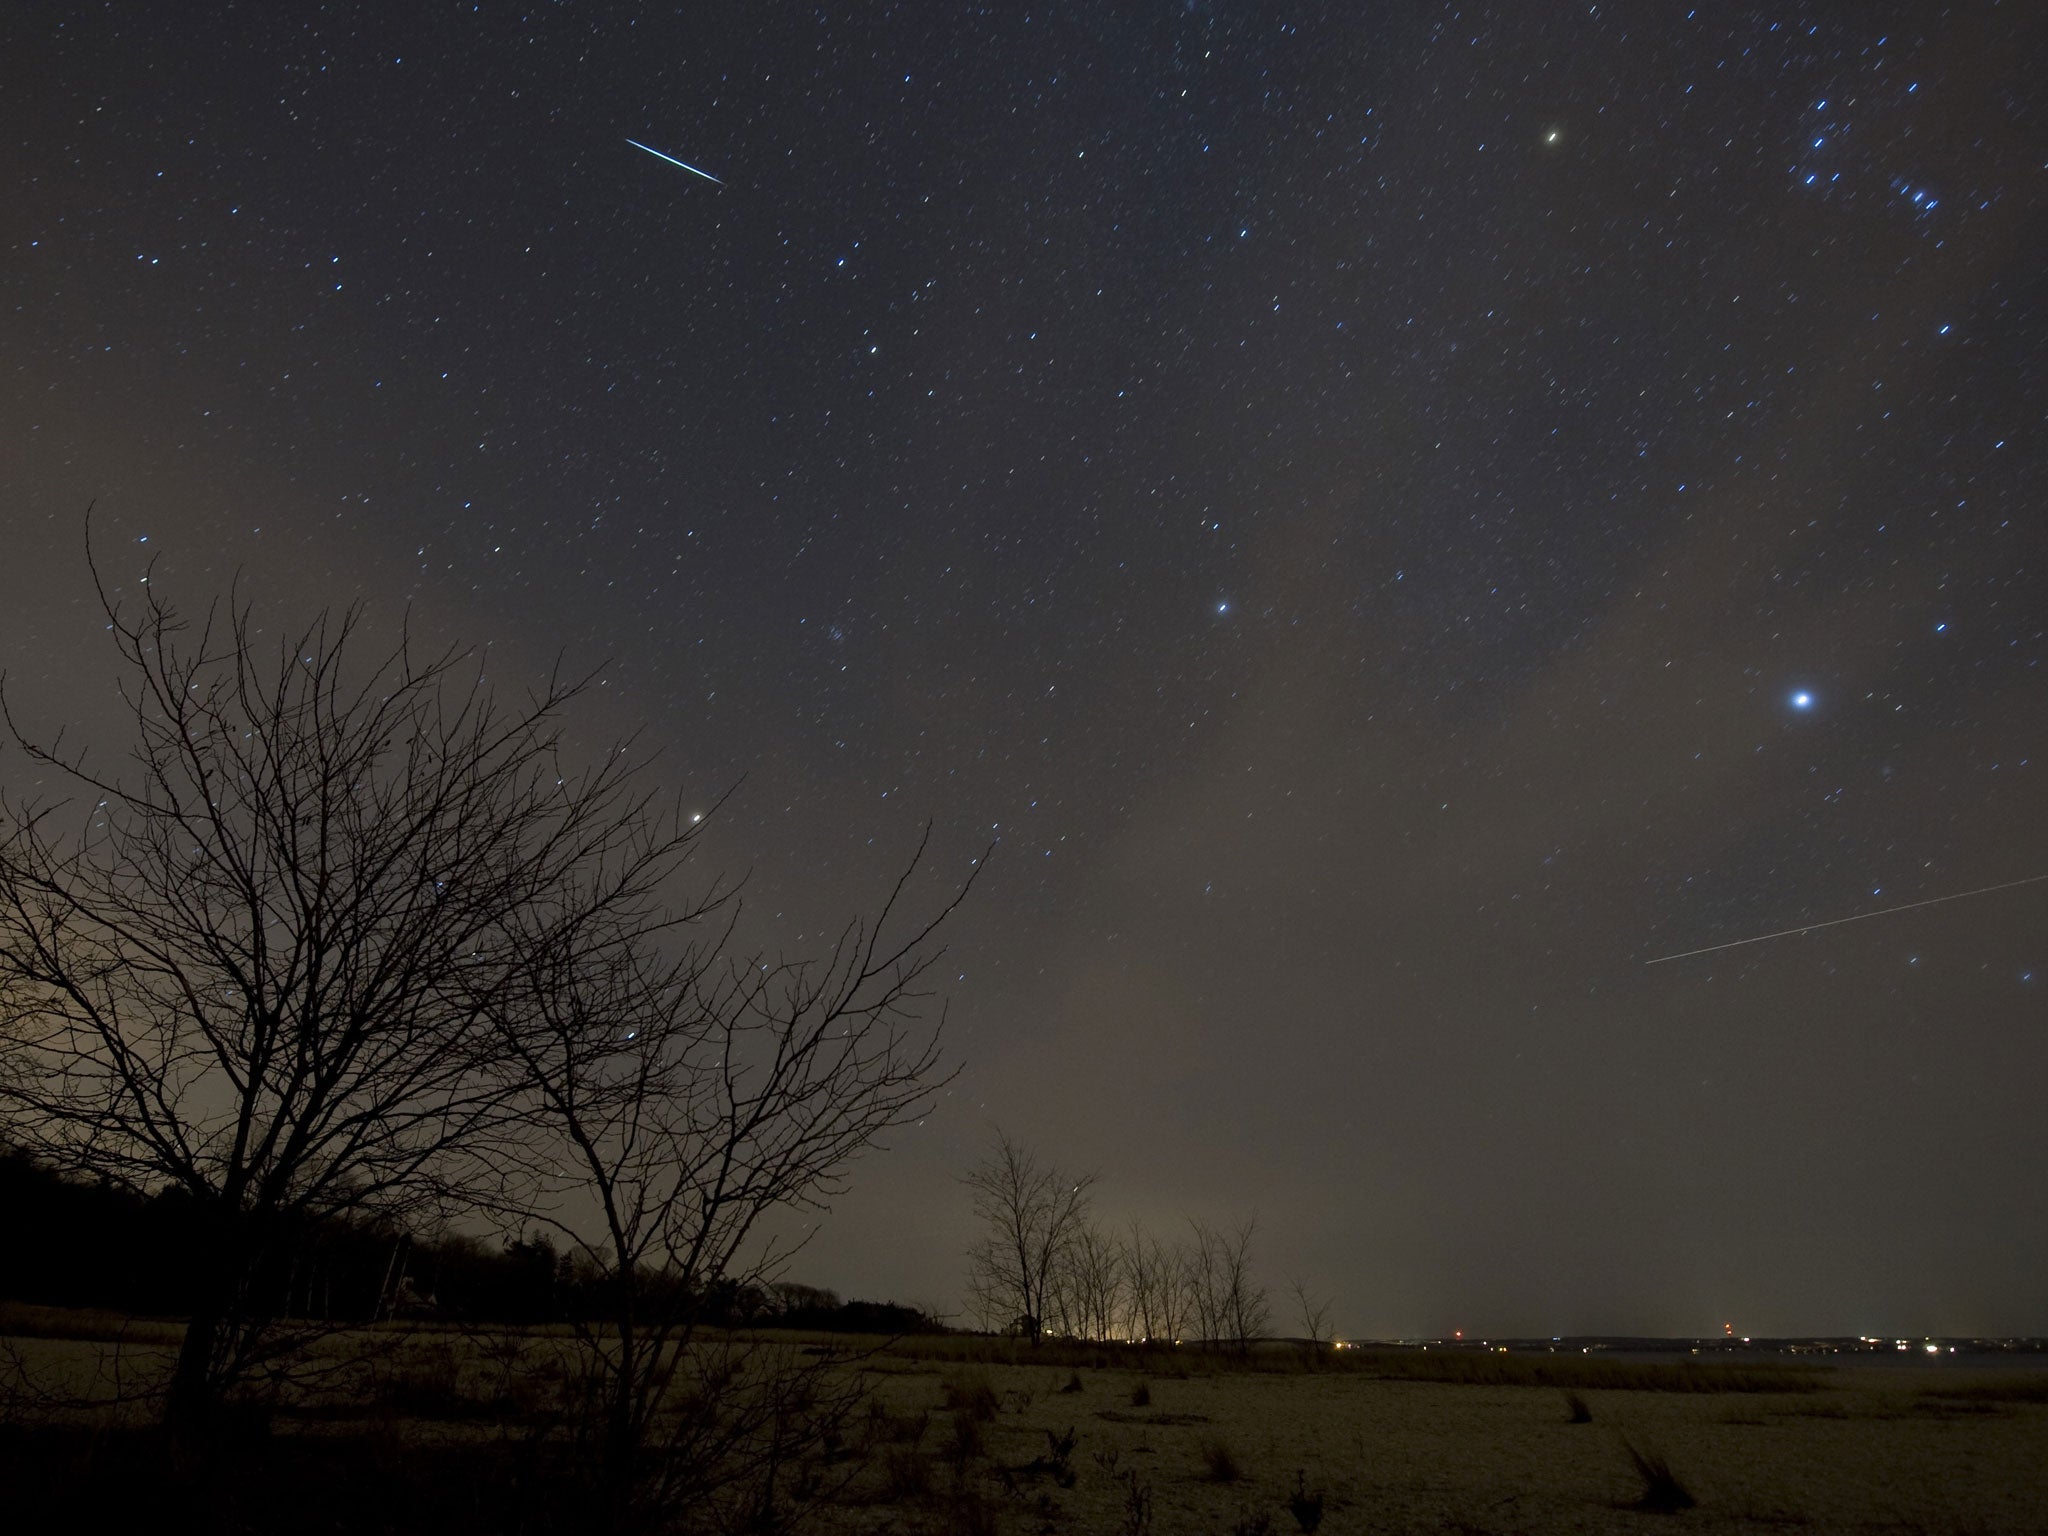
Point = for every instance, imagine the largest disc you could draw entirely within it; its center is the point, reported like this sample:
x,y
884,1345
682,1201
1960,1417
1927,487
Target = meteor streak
x,y
672,160
1932,901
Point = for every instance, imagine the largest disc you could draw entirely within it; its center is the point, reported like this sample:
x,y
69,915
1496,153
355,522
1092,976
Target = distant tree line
x,y
73,1243
1044,1265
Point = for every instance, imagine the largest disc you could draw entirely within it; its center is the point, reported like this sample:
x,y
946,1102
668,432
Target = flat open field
x,y
1089,1442
1874,1450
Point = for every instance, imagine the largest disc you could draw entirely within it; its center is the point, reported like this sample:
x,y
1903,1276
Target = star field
x,y
1388,518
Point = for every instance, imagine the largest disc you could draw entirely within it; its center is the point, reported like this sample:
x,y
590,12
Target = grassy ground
x,y
448,1434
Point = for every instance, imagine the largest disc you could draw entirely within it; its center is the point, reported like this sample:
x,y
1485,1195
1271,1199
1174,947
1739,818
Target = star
x,y
1658,435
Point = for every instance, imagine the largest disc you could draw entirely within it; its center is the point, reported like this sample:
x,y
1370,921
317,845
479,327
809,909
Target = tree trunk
x,y
619,1446
194,1395
222,1298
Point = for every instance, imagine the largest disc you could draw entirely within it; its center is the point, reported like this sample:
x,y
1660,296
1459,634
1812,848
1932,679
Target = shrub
x,y
971,1515
1576,1411
906,1474
965,1443
1662,1492
971,1393
1306,1507
1059,1456
1141,1395
1219,1462
886,1428
1137,1505
1073,1382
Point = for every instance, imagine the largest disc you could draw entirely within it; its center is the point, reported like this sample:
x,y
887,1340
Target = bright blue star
x,y
1802,700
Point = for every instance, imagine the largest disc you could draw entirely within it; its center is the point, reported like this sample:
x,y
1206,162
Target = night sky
x,y
1389,516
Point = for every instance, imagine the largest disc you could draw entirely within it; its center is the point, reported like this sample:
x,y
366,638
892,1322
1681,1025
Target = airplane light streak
x,y
672,160
1982,890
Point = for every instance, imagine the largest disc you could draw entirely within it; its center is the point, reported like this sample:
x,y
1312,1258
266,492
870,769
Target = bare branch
x,y
1031,1213
272,959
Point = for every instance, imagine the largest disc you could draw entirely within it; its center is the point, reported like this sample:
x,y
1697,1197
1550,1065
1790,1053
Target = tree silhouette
x,y
1031,1213
272,960
680,1092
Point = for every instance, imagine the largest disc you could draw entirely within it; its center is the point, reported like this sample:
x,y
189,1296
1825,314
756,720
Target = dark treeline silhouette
x,y
77,1244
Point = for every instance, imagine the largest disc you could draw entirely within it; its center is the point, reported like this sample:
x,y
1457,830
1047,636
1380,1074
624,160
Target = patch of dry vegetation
x,y
1582,1373
1465,1367
2017,1389
25,1320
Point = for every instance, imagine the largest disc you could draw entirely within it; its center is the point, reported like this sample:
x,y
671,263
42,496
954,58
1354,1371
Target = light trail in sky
x,y
672,160
1932,901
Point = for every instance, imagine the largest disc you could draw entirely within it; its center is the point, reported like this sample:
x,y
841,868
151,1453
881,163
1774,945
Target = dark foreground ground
x,y
959,1437
76,1480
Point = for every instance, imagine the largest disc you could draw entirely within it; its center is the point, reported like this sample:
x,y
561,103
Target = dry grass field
x,y
1873,1450
436,1432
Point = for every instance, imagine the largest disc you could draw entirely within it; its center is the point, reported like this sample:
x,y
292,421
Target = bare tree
x,y
1229,1304
1092,1279
1202,1278
1245,1307
683,1093
1314,1313
1155,1286
1031,1212
1141,1280
267,962
16,1014
1171,1298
